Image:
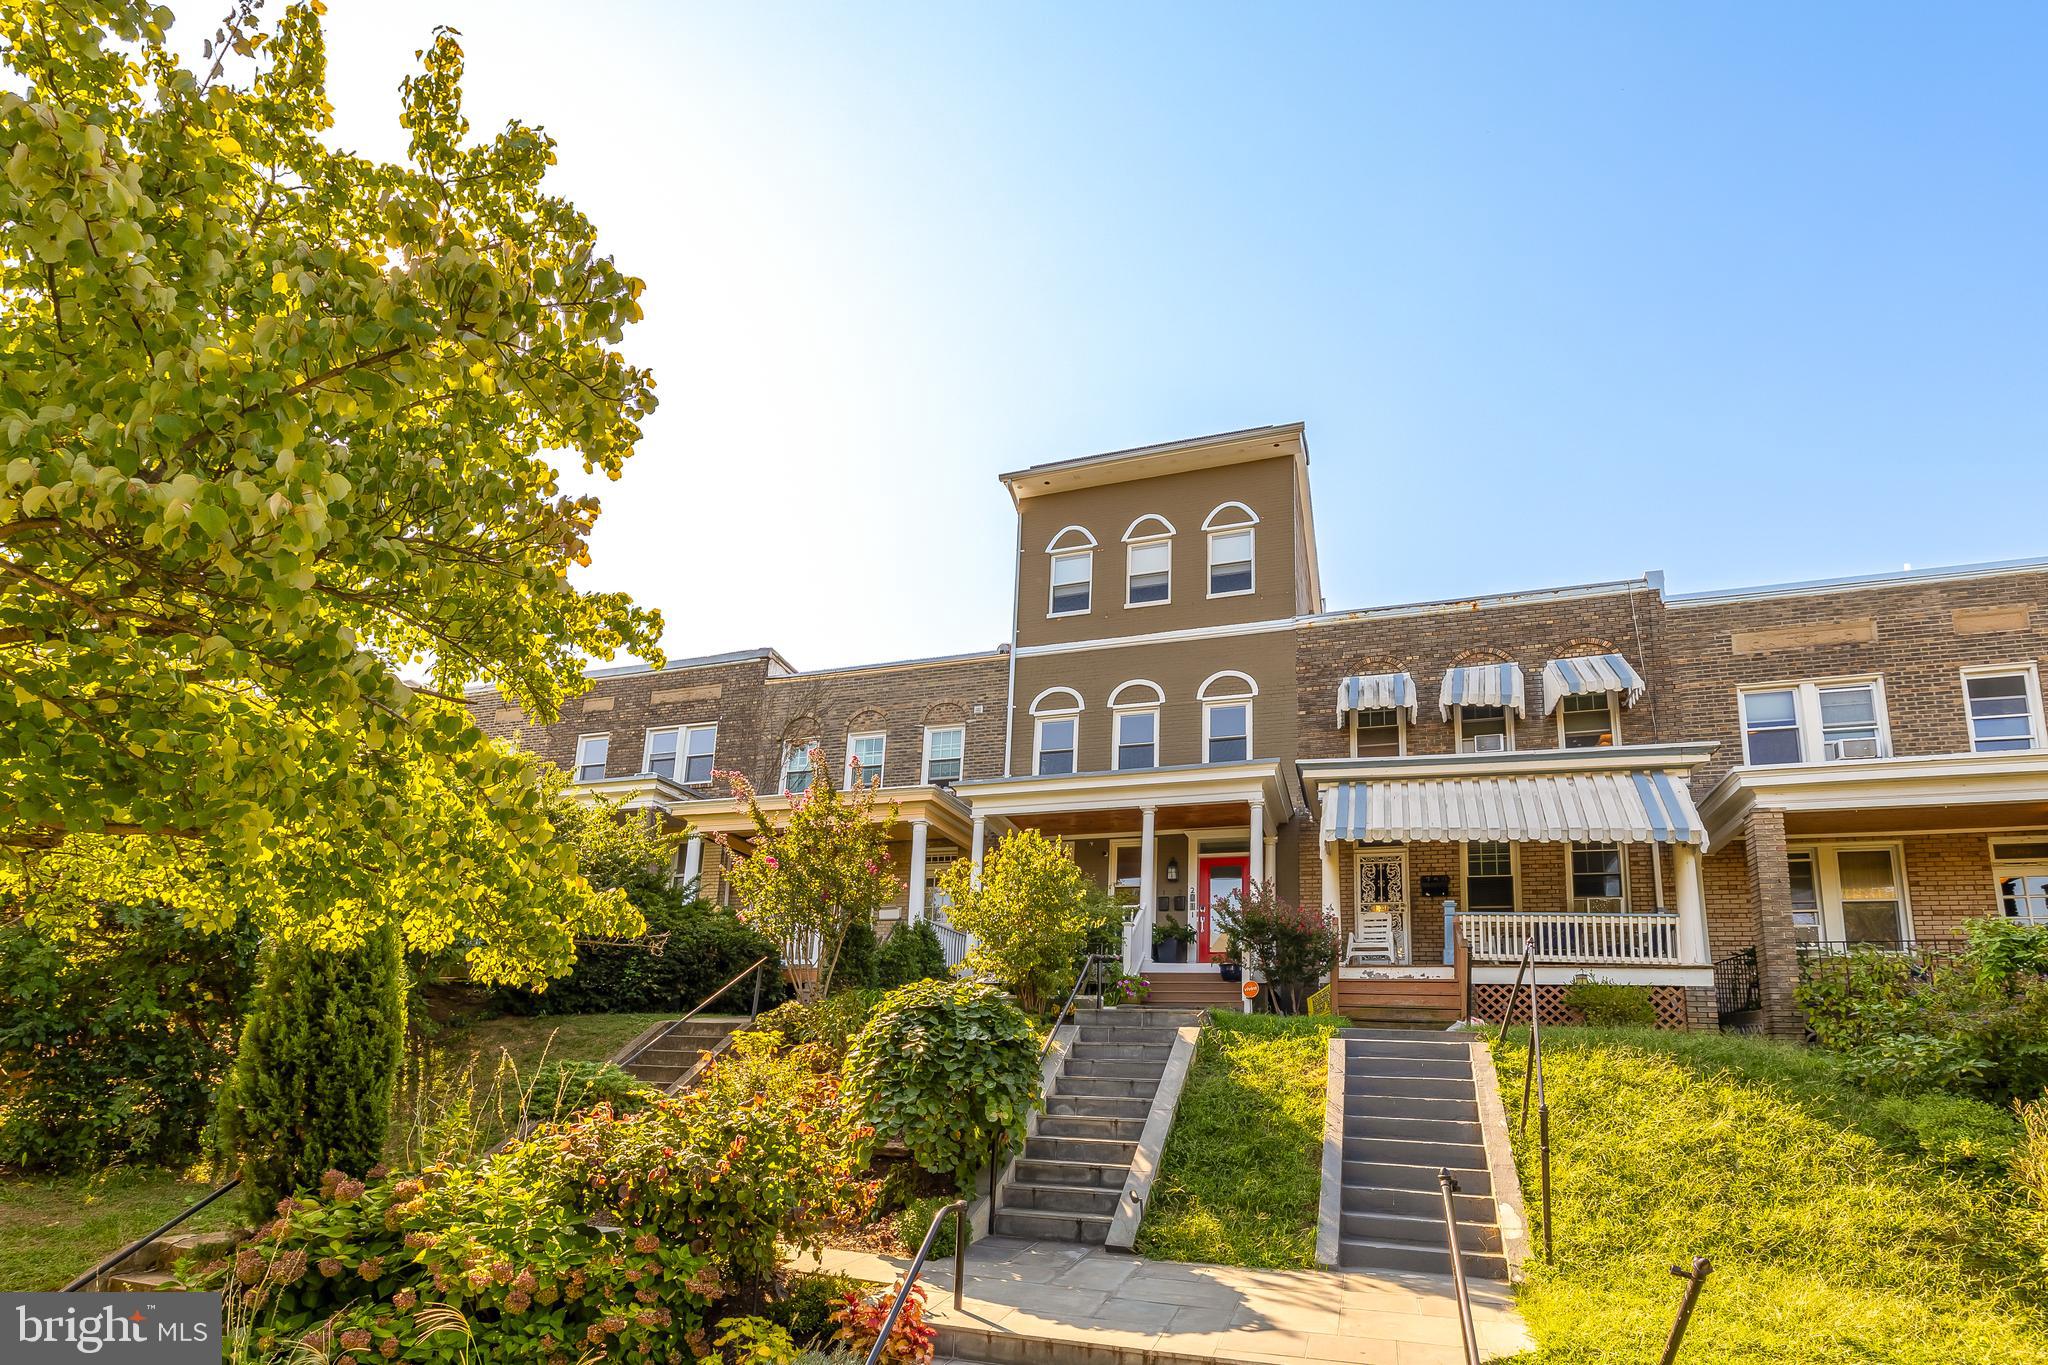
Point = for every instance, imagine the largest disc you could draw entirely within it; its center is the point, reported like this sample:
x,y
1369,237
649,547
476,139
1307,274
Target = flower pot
x,y
1229,971
1169,950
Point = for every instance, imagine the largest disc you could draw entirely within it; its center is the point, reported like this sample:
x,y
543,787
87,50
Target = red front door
x,y
1221,878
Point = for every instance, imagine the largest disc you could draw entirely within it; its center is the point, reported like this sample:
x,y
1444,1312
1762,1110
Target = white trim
x,y
1492,975
2000,568
2037,735
1827,876
1918,782
1039,723
1116,739
1251,684
1052,584
581,763
2002,868
924,771
852,738
1209,523
1131,548
1621,849
1078,705
1209,710
1400,730
1613,720
1160,637
1252,559
1053,546
1184,784
1807,716
1507,715
790,749
682,734
1131,531
1158,694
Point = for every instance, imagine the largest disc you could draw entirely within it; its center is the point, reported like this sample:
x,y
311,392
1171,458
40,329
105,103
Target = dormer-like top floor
x,y
1213,531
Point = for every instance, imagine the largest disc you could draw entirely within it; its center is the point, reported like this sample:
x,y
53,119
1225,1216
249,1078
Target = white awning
x,y
1622,808
1575,677
1377,692
1483,685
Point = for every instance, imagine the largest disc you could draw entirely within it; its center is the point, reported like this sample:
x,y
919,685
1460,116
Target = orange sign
x,y
1251,990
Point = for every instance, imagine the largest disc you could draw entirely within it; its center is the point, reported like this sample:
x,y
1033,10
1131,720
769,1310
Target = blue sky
x,y
1743,292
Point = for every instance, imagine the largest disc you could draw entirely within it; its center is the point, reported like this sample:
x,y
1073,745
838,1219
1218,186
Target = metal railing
x,y
1738,985
1090,964
753,1010
1695,1280
92,1276
1449,1185
957,1210
1532,1074
1573,936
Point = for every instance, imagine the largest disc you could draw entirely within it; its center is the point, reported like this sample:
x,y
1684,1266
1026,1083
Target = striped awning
x,y
1622,808
1586,673
1483,685
1377,692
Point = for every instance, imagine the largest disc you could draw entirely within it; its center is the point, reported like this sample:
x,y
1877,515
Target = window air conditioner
x,y
1488,744
1597,905
1852,748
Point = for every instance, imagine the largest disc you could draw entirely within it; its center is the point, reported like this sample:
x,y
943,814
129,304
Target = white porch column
x,y
915,912
693,860
980,840
1331,899
1148,886
1258,842
1692,905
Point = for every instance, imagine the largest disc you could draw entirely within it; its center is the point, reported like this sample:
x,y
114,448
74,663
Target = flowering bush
x,y
944,1066
613,1235
913,1341
1292,946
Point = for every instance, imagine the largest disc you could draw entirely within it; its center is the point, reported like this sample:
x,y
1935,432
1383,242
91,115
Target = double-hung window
x,y
1598,881
1230,562
1585,720
1151,573
945,747
1073,581
1815,722
1490,877
796,767
1376,733
1484,730
1056,745
591,753
1137,739
2004,709
864,757
1229,731
682,753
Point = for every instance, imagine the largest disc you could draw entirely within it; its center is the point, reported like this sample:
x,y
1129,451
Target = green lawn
x,y
1842,1226
1239,1179
462,1096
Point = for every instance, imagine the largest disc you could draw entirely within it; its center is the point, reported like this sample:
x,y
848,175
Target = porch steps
x,y
1202,990
1072,1171
1411,1110
673,1059
153,1268
1410,1003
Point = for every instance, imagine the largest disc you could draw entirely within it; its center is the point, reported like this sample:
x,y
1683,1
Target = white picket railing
x,y
1564,936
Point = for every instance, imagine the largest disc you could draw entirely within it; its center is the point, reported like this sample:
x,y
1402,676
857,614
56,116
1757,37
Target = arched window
x,y
1056,730
1148,561
1231,544
1226,699
1071,570
1134,726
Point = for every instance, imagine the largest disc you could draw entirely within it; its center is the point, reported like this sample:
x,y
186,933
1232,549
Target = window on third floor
x,y
1072,572
1148,562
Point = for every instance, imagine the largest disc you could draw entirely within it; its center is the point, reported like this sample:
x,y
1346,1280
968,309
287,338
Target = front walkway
x,y
1106,1309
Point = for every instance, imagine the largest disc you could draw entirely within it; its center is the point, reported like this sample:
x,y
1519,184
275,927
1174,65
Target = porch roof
x,y
1607,807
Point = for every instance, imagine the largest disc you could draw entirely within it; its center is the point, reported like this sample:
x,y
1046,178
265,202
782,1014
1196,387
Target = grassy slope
x,y
1842,1227
54,1227
1239,1178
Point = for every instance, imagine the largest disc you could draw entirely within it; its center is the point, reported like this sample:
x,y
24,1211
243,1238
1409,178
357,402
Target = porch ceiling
x,y
1918,819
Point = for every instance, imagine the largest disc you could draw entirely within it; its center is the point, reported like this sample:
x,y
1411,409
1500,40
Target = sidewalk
x,y
1030,1302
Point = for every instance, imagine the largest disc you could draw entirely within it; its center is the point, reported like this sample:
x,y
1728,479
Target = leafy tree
x,y
1032,918
317,1068
818,874
275,430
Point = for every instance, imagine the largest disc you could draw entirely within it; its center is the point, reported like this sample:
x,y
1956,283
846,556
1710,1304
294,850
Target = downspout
x,y
1016,586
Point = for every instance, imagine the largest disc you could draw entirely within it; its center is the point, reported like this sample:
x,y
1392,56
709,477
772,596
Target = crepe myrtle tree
x,y
277,425
823,870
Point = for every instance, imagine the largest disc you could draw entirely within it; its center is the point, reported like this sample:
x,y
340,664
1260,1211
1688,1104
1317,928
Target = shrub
x,y
313,1081
2030,1176
829,1025
912,952
1847,997
860,1316
1291,946
559,1089
691,949
1605,1004
754,1341
111,1044
914,1219
804,1304
945,1066
857,954
1033,916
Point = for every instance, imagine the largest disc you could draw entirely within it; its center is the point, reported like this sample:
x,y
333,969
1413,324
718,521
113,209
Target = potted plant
x,y
1170,941
1126,990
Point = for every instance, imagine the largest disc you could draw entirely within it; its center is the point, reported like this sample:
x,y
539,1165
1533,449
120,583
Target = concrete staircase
x,y
1073,1167
673,1059
149,1270
1410,1109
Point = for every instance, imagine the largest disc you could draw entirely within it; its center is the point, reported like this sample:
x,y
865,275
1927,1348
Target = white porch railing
x,y
1573,937
953,941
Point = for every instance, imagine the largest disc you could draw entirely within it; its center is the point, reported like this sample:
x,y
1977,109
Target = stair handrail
x,y
703,1005
957,1210
1532,1074
1093,962
1448,1184
93,1275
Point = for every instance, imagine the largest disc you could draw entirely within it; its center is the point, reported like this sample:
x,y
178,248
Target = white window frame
x,y
1209,709
1400,728
1251,534
1507,715
790,750
1806,709
2002,868
602,764
1245,693
1130,571
1052,586
1571,898
1151,705
2036,731
1038,742
924,772
1827,878
682,734
854,737
1613,717
1465,872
